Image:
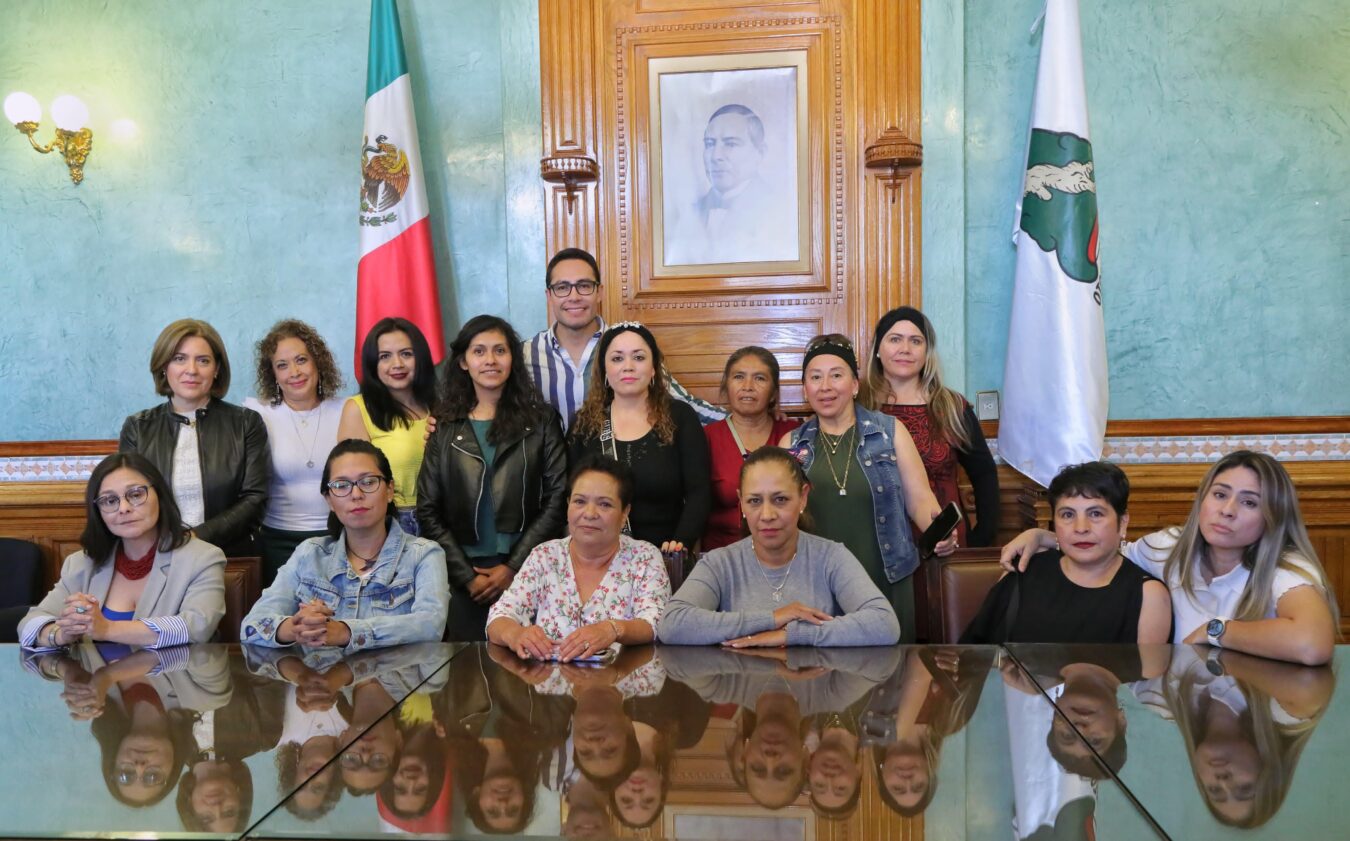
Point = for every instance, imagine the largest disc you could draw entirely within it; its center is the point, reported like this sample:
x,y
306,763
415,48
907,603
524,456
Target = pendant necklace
x,y
841,484
313,441
776,593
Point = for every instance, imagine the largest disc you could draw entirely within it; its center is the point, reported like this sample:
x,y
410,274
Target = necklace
x,y
365,562
304,421
133,569
841,484
776,592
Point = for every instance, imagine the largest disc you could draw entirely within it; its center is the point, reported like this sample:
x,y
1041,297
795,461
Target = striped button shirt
x,y
563,382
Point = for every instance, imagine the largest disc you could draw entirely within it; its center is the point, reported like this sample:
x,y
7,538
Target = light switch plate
x,y
986,405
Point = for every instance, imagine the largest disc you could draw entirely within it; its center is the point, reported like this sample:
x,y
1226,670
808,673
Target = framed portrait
x,y
729,168
793,823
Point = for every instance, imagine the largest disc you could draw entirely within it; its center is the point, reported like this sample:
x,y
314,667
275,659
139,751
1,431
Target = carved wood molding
x,y
1297,425
19,449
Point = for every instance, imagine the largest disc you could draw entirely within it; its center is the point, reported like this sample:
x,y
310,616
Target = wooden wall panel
x,y
863,84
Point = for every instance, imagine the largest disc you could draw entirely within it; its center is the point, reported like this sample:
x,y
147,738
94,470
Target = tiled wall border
x,y
1166,449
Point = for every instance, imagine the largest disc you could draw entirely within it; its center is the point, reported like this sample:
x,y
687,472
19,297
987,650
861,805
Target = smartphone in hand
x,y
938,530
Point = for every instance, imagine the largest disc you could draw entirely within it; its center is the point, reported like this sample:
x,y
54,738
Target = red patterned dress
x,y
940,459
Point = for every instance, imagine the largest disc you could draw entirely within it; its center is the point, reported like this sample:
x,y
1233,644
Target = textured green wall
x,y
1220,134
1222,142
237,201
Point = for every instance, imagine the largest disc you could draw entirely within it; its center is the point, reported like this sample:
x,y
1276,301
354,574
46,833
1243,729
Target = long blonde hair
x,y
1278,745
946,408
1283,544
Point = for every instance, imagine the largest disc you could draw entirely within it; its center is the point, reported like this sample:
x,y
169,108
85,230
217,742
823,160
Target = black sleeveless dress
x,y
1051,608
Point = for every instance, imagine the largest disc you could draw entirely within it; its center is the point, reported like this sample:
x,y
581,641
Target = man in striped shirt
x,y
559,358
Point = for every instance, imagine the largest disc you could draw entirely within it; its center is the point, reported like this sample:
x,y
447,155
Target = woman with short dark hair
x,y
212,453
141,578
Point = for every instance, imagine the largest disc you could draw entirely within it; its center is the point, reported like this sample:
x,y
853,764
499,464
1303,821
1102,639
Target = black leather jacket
x,y
232,444
529,490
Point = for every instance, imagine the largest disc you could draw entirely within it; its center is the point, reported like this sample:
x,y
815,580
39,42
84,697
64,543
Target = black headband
x,y
896,316
829,347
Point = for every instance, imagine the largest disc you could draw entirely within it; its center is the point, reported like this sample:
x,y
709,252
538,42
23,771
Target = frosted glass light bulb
x,y
69,113
22,108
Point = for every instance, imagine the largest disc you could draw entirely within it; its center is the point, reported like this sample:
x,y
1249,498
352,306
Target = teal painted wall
x,y
1222,142
236,202
1220,133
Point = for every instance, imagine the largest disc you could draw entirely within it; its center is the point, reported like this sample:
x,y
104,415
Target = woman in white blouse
x,y
1236,582
578,595
298,398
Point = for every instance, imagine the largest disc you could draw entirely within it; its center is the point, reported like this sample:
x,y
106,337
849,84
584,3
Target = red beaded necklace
x,y
131,568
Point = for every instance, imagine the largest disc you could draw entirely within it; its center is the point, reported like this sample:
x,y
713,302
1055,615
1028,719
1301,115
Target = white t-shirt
x,y
1217,598
299,443
300,726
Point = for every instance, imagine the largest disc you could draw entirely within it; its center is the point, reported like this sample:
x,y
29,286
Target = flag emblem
x,y
1059,201
384,179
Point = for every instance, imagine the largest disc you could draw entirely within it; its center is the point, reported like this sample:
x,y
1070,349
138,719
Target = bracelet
x,y
51,635
617,633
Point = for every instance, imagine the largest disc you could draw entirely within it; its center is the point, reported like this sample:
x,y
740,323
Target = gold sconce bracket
x,y
894,152
74,146
569,171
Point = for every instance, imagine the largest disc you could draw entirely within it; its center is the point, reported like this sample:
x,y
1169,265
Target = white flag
x,y
1054,380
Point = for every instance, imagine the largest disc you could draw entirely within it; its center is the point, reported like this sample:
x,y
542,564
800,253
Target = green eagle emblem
x,y
1059,201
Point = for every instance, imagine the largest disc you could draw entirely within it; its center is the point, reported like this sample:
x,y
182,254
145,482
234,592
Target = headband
x,y
829,347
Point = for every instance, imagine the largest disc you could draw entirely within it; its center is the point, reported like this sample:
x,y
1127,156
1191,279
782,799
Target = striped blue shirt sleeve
x,y
707,412
33,635
170,630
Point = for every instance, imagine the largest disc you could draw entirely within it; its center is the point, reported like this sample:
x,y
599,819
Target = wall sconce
x,y
894,153
569,170
73,139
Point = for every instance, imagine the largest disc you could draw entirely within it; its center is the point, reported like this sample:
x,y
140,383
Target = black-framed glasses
x,y
563,288
136,495
370,483
127,774
352,761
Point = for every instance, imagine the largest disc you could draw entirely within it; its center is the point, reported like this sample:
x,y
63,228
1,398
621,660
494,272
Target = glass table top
x,y
199,741
701,743
1215,744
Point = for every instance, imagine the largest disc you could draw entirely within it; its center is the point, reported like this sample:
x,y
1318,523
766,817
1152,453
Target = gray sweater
x,y
726,596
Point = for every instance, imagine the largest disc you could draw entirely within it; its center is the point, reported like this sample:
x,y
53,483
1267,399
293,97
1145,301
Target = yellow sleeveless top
x,y
403,447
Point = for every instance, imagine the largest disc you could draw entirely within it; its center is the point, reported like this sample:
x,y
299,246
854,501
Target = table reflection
x,y
1240,722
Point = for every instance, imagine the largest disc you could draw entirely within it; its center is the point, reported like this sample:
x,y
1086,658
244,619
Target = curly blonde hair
x,y
330,378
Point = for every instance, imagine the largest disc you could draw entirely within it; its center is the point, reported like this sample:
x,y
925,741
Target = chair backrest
x,y
20,572
957,586
241,592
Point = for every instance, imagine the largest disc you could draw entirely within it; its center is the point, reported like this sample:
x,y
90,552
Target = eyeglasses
x,y
563,288
136,495
368,484
352,761
127,774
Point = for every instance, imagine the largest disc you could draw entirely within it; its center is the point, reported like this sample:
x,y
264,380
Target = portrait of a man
x,y
729,155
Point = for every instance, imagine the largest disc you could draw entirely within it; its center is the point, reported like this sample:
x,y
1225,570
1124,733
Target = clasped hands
x,y
531,643
313,626
782,617
82,615
489,583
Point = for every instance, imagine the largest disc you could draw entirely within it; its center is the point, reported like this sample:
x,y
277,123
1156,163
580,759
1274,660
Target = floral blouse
x,y
544,592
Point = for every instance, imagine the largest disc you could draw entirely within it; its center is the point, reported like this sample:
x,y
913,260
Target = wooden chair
x,y
956,587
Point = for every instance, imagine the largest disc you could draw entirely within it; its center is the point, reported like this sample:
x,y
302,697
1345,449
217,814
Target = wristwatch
x,y
1215,630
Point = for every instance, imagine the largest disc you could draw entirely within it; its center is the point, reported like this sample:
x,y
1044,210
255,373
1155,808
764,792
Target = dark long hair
x,y
526,759
97,540
383,409
520,406
347,447
595,409
111,728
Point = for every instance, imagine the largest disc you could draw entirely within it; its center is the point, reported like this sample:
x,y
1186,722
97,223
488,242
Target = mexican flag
x,y
1055,393
397,272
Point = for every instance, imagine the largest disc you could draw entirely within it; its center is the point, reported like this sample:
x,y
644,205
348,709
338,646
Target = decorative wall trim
x,y
1204,449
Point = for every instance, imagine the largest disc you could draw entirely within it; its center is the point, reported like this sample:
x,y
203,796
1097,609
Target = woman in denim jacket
x,y
867,475
367,585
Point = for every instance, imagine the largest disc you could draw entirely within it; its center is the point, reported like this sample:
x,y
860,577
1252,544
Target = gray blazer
x,y
188,582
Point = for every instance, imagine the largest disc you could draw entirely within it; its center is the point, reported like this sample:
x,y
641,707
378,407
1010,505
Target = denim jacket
x,y
876,454
404,599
